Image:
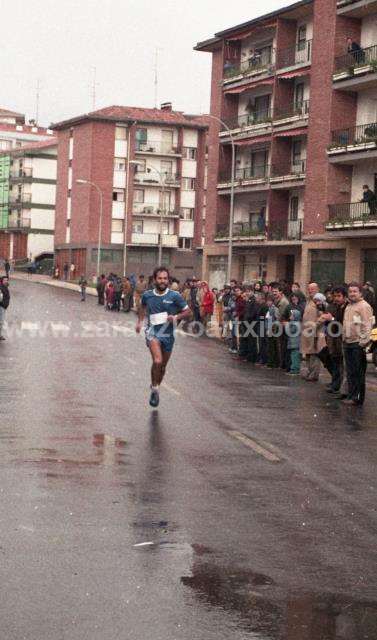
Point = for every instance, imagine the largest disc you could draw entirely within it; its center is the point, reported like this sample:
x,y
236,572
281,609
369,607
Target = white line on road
x,y
171,389
252,444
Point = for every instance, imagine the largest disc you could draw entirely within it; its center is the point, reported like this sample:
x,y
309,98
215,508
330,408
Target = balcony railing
x,y
257,62
360,134
20,199
26,172
242,230
276,231
351,213
18,222
354,59
300,53
158,147
296,168
300,109
153,239
254,172
152,178
249,119
153,210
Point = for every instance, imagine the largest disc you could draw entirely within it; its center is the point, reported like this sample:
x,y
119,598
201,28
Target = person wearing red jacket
x,y
207,306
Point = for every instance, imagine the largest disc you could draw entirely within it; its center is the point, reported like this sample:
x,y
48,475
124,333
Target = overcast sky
x,y
59,41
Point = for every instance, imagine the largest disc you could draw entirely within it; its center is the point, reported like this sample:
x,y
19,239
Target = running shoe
x,y
154,398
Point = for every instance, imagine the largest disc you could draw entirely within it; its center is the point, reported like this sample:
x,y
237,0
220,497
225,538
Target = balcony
x,y
353,215
356,8
20,201
294,176
355,143
153,211
356,70
153,179
255,66
157,147
249,176
255,123
16,221
290,231
299,55
152,239
23,174
296,113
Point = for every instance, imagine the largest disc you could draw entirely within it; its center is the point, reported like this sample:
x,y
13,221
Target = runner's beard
x,y
161,287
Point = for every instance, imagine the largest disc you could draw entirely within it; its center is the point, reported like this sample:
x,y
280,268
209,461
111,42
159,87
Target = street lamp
x,y
130,163
93,184
163,184
231,212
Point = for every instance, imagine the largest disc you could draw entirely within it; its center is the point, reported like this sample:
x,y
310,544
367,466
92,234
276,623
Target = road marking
x,y
252,444
171,389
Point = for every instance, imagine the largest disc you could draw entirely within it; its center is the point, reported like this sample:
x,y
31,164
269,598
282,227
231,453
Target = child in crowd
x,y
293,329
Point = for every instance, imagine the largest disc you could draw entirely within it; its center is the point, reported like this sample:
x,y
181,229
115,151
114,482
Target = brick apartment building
x,y
147,163
303,115
15,134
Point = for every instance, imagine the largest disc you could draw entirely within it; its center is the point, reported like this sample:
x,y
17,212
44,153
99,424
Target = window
x,y
119,164
120,133
293,208
116,226
185,243
118,195
139,195
299,95
296,152
141,167
167,140
189,153
5,144
167,227
141,139
108,255
166,167
188,184
165,201
186,213
301,37
137,226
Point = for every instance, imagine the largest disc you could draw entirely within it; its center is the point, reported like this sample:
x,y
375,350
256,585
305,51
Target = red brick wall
x,y
213,144
285,37
19,246
103,139
281,156
4,245
61,187
278,209
283,96
317,172
81,168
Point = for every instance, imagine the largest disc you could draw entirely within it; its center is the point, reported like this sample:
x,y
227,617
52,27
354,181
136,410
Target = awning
x,y
246,87
294,74
252,31
247,142
291,133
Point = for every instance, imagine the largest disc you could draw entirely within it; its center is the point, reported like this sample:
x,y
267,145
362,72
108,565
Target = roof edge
x,y
87,117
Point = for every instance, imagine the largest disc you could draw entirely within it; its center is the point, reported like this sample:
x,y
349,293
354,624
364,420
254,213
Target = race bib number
x,y
158,318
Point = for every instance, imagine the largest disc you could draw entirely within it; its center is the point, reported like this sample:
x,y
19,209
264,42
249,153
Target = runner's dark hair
x,y
160,270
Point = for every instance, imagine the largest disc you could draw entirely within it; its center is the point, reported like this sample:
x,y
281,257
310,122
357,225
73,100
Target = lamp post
x,y
163,185
130,163
96,187
231,212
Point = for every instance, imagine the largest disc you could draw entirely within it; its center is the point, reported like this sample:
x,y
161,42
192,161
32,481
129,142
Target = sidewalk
x,y
60,284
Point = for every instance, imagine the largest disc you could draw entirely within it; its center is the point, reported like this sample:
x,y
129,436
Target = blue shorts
x,y
166,341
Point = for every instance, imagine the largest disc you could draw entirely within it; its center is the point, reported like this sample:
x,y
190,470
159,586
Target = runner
x,y
163,308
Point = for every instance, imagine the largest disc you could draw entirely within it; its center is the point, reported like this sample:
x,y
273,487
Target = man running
x,y
163,308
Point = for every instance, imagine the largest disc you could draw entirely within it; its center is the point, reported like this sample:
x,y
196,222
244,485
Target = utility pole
x,y
37,97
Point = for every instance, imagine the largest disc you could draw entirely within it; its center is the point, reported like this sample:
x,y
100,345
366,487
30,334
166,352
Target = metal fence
x,y
256,62
359,58
354,135
249,119
299,53
276,231
157,146
352,212
300,108
252,172
296,168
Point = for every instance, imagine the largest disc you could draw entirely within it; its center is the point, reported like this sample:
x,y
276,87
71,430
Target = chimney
x,y
166,106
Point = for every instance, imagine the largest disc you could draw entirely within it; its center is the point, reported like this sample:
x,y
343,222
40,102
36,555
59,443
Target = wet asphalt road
x,y
256,493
